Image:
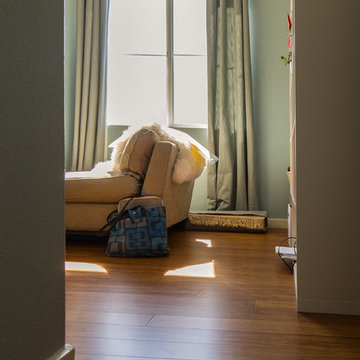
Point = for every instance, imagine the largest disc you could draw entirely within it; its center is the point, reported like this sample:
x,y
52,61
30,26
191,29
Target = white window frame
x,y
170,71
170,61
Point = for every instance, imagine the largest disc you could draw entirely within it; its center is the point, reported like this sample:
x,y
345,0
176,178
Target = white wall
x,y
327,150
32,309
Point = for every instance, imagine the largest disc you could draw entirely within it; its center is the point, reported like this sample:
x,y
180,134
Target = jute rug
x,y
235,221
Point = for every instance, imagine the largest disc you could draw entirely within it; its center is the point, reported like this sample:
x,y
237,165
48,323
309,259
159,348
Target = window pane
x,y
190,90
136,90
138,26
190,27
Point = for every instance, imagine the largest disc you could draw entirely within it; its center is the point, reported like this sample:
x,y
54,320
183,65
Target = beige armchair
x,y
90,200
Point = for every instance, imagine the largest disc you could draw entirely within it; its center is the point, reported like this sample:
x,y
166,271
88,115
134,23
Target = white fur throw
x,y
191,160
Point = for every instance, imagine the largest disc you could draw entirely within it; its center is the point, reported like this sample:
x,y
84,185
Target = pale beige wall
x,y
268,36
327,150
32,309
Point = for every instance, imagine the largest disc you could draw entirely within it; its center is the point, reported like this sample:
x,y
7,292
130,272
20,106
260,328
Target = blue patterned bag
x,y
138,232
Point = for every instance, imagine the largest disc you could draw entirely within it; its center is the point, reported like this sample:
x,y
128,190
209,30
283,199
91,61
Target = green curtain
x,y
231,180
89,145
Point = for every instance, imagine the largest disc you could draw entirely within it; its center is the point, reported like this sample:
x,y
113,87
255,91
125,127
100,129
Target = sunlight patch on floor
x,y
80,266
205,241
206,270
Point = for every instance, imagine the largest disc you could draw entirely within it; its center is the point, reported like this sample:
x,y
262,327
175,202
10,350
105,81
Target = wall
x,y
268,34
327,151
32,315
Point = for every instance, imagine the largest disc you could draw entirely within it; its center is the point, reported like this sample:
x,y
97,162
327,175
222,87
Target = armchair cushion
x,y
101,190
90,197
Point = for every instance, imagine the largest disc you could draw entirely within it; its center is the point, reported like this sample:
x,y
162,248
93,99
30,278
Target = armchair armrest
x,y
176,197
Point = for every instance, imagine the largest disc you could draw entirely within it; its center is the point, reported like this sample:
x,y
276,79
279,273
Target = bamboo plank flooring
x,y
247,311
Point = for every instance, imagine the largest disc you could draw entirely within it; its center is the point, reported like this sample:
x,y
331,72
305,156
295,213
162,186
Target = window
x,y
157,65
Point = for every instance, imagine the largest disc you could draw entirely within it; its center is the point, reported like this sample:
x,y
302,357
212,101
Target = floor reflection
x,y
80,266
206,270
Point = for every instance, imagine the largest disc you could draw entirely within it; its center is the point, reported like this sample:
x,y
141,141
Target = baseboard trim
x,y
328,307
277,223
66,353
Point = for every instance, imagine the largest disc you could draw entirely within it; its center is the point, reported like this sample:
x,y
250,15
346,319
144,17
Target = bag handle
x,y
111,223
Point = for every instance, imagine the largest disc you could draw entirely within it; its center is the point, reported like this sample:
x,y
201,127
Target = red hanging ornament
x,y
289,22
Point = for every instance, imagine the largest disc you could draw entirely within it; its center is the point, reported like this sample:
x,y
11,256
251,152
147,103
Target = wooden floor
x,y
246,311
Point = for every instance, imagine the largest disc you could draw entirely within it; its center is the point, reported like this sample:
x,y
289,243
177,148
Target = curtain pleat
x,y
89,145
232,180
